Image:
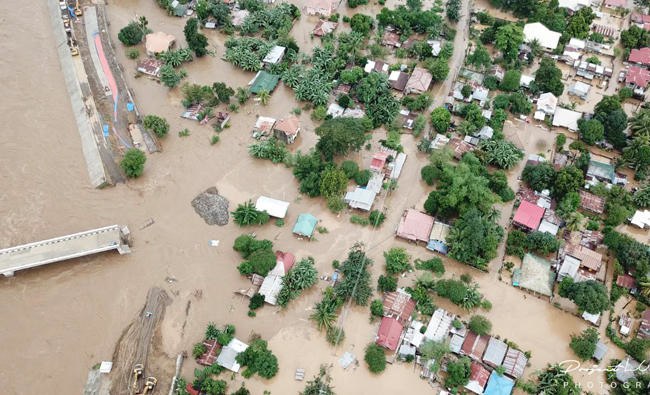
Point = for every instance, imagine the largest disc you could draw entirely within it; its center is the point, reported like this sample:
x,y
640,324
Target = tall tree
x,y
338,136
548,77
508,39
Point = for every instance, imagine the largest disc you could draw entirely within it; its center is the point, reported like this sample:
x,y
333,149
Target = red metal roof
x,y
287,259
389,333
474,345
479,374
626,281
415,226
210,356
529,215
399,305
638,76
639,18
378,161
641,56
591,202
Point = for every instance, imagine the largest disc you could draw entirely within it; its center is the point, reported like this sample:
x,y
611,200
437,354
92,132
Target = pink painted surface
x,y
107,69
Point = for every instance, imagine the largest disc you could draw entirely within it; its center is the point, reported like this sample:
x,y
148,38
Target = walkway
x,y
61,248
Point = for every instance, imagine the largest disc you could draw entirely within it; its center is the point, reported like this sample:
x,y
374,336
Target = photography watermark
x,y
625,368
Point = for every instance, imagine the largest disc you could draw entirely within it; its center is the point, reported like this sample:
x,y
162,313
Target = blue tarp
x,y
438,246
305,225
499,385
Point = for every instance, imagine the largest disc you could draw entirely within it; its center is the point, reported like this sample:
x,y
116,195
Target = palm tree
x,y
324,315
246,214
242,95
172,58
640,124
264,97
535,47
574,221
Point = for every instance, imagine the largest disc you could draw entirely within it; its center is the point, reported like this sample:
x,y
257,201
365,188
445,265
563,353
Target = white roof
x,y
546,226
274,55
536,31
370,66
360,198
436,47
265,123
354,113
569,267
480,93
394,75
413,334
397,165
574,5
376,182
270,288
539,115
439,325
485,133
593,318
641,218
576,43
474,387
547,103
580,88
440,141
275,208
566,118
456,343
335,110
228,354
525,80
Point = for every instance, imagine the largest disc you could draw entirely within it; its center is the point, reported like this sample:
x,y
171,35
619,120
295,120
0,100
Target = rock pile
x,y
212,207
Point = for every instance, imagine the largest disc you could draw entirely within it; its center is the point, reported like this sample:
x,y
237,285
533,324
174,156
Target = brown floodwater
x,y
60,320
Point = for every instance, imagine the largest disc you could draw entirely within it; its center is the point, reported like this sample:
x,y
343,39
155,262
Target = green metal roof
x,y
264,82
305,225
602,170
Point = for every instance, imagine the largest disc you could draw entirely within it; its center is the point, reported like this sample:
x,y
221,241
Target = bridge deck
x,y
61,248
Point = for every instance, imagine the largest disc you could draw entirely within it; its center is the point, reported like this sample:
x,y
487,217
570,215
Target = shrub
x,y
377,308
198,350
184,133
214,139
375,358
133,53
156,124
397,260
279,222
584,345
429,174
376,218
560,139
133,163
386,283
362,177
479,325
256,301
434,265
359,220
131,34
350,168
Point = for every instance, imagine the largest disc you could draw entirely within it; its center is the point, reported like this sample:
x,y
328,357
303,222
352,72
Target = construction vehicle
x,y
77,9
138,369
149,385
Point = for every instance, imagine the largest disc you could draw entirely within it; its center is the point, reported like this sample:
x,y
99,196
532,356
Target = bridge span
x,y
58,249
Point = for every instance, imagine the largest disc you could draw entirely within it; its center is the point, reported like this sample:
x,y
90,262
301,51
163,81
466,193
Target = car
x,y
621,76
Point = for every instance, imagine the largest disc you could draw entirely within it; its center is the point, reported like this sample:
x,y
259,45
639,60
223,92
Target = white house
x,y
275,55
547,103
360,198
273,207
547,38
566,118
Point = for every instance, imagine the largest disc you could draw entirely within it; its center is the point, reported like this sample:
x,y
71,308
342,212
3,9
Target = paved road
x,y
456,61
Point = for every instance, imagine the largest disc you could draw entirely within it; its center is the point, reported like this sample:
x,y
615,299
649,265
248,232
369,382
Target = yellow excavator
x,y
138,369
149,385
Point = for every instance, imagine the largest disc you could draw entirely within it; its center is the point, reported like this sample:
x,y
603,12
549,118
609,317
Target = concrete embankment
x,y
96,170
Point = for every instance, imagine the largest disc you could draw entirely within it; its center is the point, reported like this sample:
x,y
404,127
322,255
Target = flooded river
x,y
61,320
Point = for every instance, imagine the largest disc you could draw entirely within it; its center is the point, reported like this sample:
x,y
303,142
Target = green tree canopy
x,y
511,81
548,77
508,39
133,163
473,239
131,34
458,373
591,131
539,177
501,153
479,325
375,358
584,345
440,119
257,358
338,136
397,260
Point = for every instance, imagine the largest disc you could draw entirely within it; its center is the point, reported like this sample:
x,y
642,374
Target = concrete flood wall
x,y
89,146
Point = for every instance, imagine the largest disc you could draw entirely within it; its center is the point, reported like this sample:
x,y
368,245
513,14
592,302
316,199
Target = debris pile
x,y
212,207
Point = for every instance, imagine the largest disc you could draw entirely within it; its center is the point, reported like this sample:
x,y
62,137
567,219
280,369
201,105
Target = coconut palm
x,y
574,221
325,311
264,97
172,58
640,124
242,95
246,214
535,47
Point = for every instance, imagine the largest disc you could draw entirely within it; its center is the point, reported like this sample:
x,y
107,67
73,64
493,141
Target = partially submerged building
x,y
438,238
263,82
535,275
274,56
158,42
399,305
323,28
474,346
272,284
321,7
641,219
228,355
305,225
499,384
360,198
389,333
495,352
415,226
478,378
439,325
273,207
150,67
514,363
287,129
419,81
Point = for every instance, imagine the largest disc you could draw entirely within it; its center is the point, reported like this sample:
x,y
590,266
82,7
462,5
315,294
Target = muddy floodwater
x,y
59,321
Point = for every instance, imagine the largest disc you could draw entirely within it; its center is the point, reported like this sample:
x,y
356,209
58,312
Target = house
x,y
357,113
209,357
376,65
221,118
378,161
456,343
600,351
499,385
591,202
436,47
580,89
625,324
548,39
397,80
287,129
439,141
305,225
566,118
478,378
228,355
439,325
391,39
601,171
535,275
525,81
514,363
413,335
272,284
637,79
263,126
480,94
528,216
399,305
547,103
406,350
438,237
418,82
589,259
274,56
474,345
415,226
640,56
192,112
498,72
238,17
640,20
395,167
273,207
323,28
485,133
263,82
495,352
560,160
569,267
626,369
626,281
158,42
150,67
591,239
460,147
389,333
644,327
641,219
322,7
613,4
360,198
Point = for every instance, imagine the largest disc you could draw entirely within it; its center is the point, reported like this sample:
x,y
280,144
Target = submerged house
x,y
305,225
228,356
272,283
263,82
287,129
389,333
438,237
415,226
360,198
273,207
399,305
158,42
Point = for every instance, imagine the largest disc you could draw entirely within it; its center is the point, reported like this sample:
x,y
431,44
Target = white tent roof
x,y
397,166
536,31
275,208
360,198
566,118
641,219
228,354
